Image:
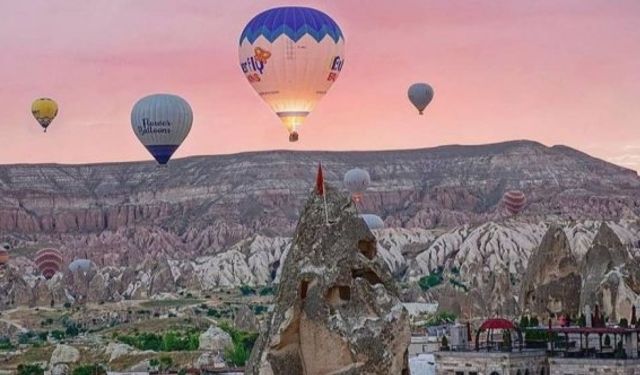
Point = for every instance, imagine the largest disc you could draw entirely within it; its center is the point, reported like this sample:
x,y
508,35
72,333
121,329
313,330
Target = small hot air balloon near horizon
x,y
514,201
291,56
44,110
356,181
83,265
373,221
49,261
420,95
161,122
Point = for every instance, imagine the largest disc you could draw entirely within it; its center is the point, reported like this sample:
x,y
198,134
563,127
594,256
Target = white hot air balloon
x,y
356,181
372,221
291,56
420,95
161,122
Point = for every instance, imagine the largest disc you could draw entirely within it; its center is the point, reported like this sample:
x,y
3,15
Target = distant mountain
x,y
190,216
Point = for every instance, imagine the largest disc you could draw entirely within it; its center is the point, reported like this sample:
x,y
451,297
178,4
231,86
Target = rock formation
x,y
337,310
215,340
611,278
552,282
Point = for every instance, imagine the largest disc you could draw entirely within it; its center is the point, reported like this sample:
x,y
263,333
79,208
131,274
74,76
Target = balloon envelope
x,y
514,201
44,110
83,265
420,95
372,221
48,261
161,122
356,180
291,56
4,257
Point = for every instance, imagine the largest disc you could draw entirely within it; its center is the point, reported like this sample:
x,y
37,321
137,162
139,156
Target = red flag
x,y
320,181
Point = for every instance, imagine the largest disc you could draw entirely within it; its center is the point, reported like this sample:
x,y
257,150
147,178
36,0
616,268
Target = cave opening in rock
x,y
366,274
338,295
304,288
367,248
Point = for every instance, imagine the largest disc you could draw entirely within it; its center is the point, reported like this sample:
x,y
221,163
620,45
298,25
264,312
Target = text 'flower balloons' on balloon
x,y
161,122
291,56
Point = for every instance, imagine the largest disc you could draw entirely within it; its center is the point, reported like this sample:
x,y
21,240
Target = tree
x,y
444,345
533,322
506,339
153,362
624,323
524,322
582,321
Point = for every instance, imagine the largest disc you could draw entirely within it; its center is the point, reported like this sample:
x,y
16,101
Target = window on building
x,y
542,371
473,373
494,373
459,372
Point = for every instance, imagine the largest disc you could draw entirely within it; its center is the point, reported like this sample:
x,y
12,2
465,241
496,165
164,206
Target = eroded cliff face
x,y
552,281
337,310
610,276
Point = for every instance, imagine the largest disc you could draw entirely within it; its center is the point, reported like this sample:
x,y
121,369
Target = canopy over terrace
x,y
498,324
629,338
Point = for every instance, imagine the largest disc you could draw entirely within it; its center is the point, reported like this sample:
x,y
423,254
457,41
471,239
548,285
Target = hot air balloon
x,y
356,181
44,110
514,201
291,56
161,122
372,221
48,261
4,257
82,265
420,95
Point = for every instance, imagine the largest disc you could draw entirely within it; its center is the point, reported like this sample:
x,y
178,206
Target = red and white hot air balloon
x,y
49,261
514,201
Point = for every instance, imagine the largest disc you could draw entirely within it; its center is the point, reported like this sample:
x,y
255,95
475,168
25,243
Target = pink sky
x,y
558,72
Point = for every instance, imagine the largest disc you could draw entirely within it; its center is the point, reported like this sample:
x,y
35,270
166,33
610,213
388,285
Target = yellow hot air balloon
x,y
44,110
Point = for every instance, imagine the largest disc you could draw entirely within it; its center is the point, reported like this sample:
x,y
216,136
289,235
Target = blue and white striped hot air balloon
x,y
161,122
291,56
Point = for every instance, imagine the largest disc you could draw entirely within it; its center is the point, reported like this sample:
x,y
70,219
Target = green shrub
x,y
266,291
67,305
213,312
247,290
243,342
430,281
30,369
5,344
236,355
524,322
94,369
259,309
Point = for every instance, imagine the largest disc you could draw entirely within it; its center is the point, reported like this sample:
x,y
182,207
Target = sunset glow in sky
x,y
553,71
